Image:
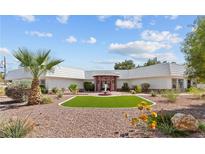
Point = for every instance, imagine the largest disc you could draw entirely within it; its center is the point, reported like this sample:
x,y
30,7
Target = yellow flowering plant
x,y
147,117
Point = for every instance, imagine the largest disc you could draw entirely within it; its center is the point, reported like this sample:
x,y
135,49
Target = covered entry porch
x,y
109,79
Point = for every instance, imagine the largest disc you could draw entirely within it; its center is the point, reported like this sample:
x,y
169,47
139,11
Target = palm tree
x,y
37,64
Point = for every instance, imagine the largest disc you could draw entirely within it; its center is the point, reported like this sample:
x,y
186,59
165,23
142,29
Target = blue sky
x,y
96,42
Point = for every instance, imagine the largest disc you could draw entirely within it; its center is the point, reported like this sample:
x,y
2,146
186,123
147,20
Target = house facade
x,y
159,76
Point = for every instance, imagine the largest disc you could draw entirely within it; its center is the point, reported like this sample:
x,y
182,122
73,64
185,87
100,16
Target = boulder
x,y
185,122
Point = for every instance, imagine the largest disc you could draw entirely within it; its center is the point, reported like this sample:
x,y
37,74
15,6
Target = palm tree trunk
x,y
35,93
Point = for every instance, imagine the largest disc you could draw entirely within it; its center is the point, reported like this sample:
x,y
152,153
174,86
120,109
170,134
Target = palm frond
x,y
24,56
42,56
37,63
50,65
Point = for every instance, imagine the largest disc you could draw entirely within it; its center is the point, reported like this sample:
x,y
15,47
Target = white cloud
x,y
172,17
38,34
102,18
5,51
91,40
63,19
27,18
137,47
129,22
71,39
165,56
151,35
178,27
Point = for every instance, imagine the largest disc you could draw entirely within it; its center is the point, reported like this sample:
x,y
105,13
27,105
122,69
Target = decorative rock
x,y
185,122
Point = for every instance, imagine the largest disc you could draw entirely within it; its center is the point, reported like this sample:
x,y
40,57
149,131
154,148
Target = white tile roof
x,y
158,70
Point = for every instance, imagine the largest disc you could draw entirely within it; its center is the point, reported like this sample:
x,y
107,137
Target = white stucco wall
x,y
120,83
62,83
155,83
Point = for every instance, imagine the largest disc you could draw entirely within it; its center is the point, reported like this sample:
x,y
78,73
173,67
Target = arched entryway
x,y
110,80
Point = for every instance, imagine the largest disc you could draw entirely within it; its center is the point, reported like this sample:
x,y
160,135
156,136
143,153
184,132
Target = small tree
x,y
125,65
37,63
145,87
193,48
152,62
125,87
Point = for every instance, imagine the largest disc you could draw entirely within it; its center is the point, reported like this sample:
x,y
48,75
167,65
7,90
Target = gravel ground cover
x,y
52,120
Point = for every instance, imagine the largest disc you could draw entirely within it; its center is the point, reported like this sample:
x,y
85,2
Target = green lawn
x,y
105,102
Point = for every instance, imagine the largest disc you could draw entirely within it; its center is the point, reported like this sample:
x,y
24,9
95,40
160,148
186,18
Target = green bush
x,y
164,124
2,91
145,87
138,89
17,92
73,88
60,94
55,90
125,87
46,100
43,89
202,127
153,93
89,86
15,128
171,95
196,92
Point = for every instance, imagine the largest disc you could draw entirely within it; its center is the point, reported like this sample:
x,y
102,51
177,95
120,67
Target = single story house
x,y
159,76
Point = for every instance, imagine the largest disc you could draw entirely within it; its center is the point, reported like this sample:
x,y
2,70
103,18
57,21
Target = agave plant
x,y
37,63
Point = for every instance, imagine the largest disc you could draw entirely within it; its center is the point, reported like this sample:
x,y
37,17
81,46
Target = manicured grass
x,y
105,102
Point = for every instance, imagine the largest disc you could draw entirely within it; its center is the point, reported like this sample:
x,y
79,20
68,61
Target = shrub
x,y
46,100
73,88
15,128
2,91
63,90
55,90
164,124
132,92
196,92
153,120
153,93
145,87
26,84
89,86
60,94
138,89
202,127
18,92
43,89
125,87
171,95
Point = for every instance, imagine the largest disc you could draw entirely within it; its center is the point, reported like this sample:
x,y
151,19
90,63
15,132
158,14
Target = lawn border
x,y
60,104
